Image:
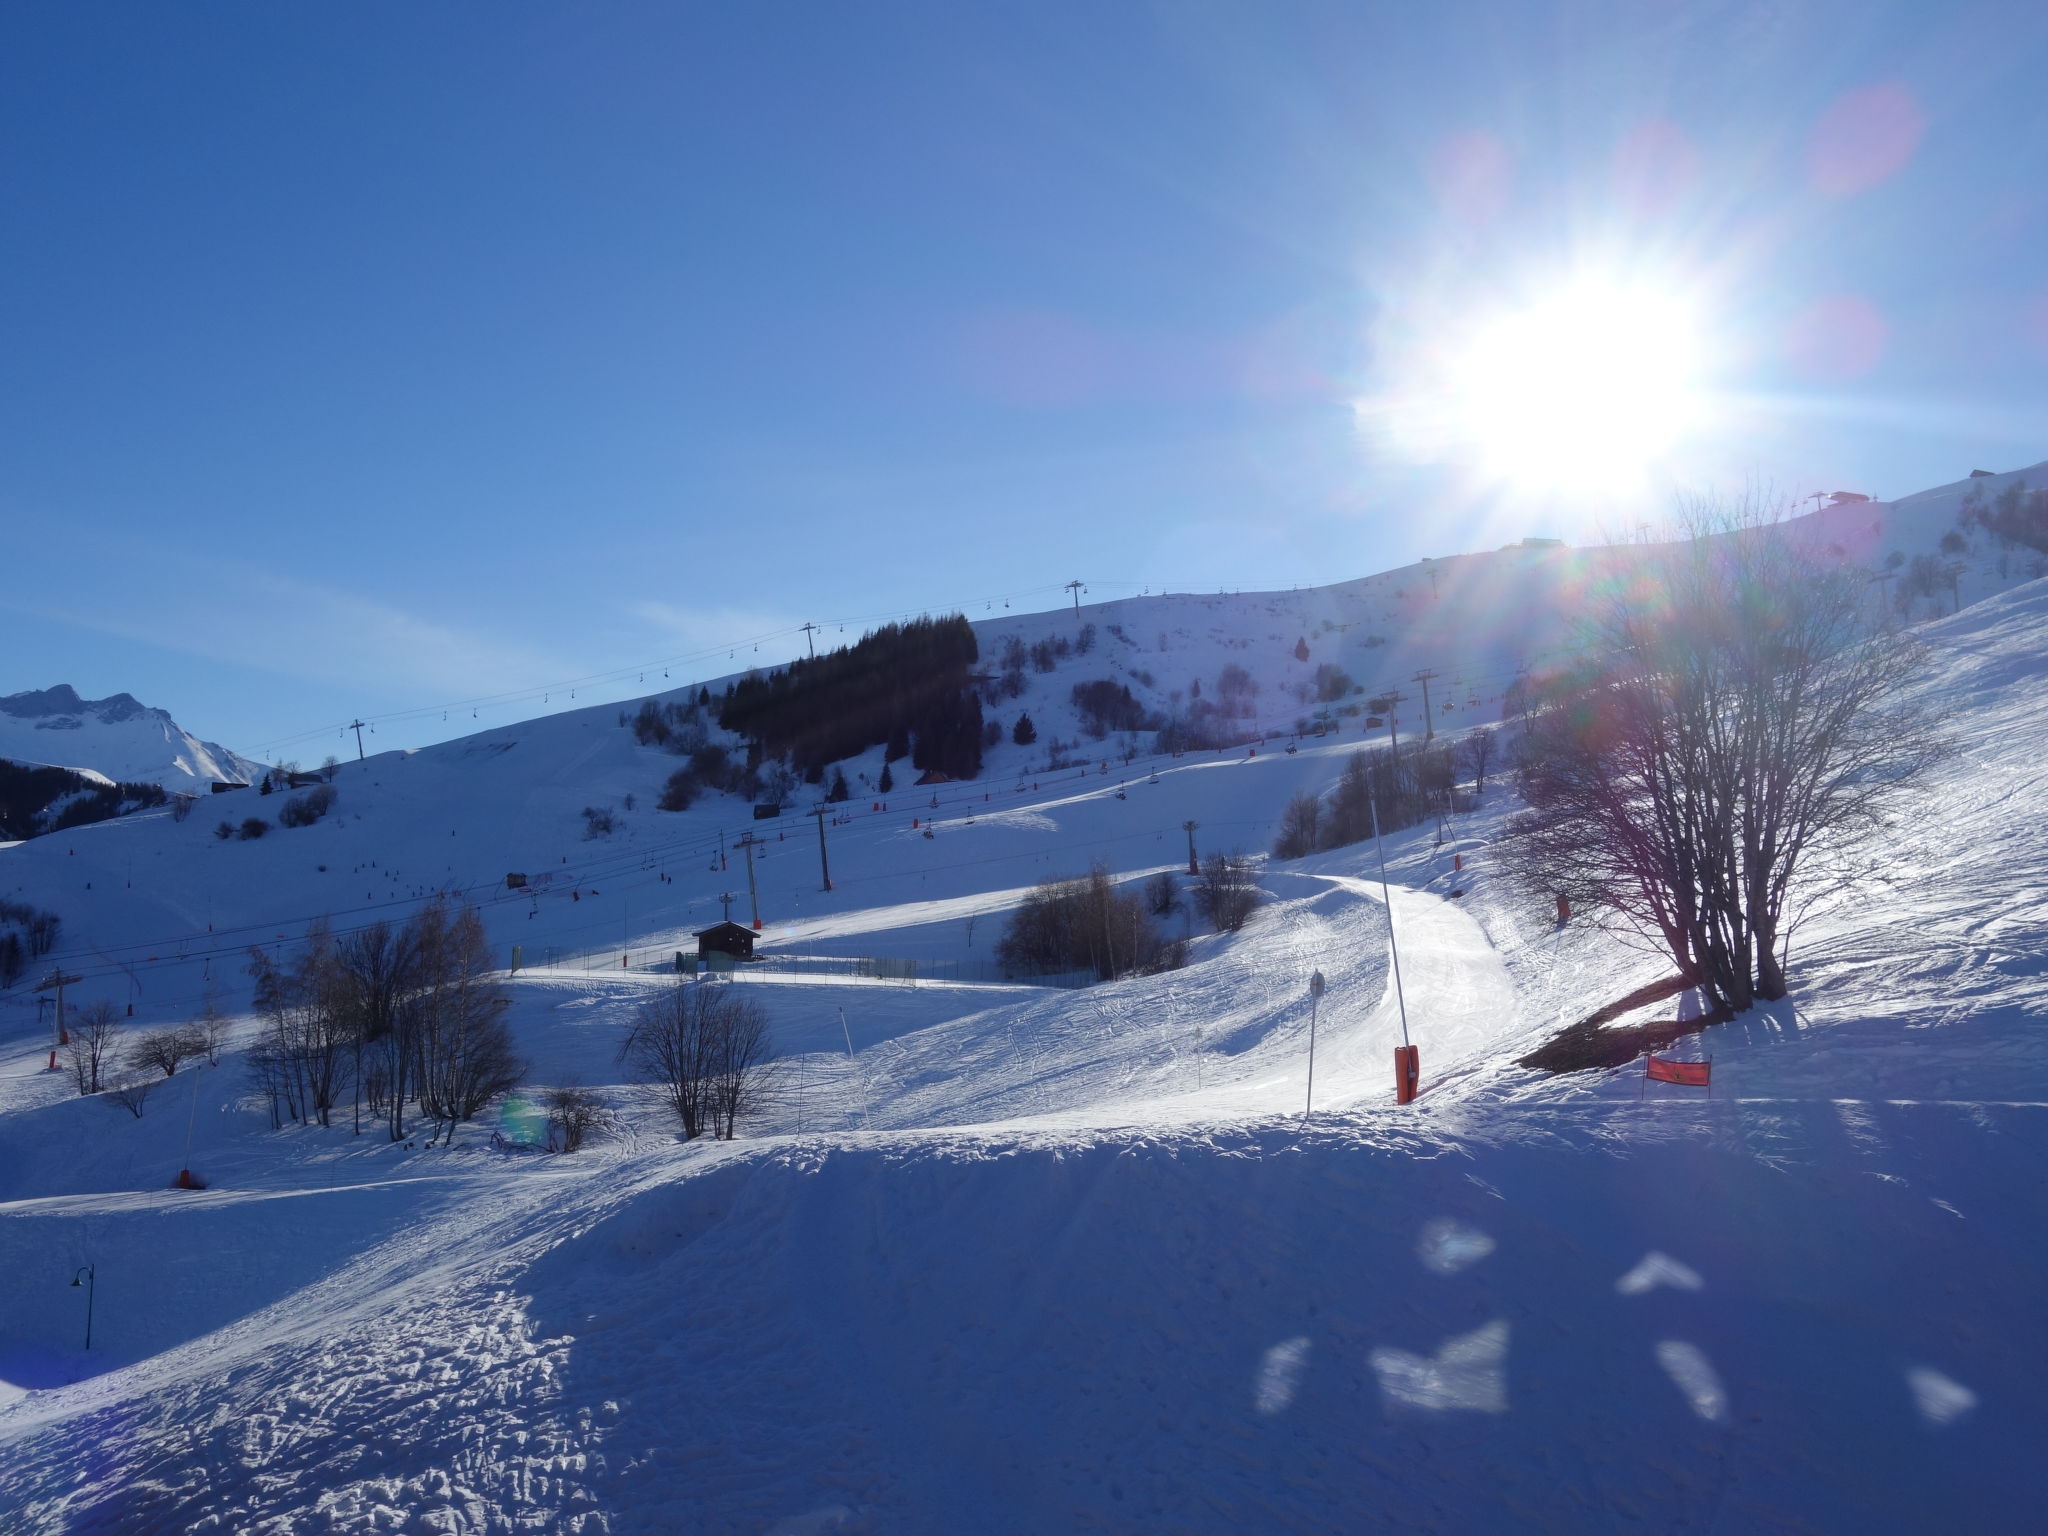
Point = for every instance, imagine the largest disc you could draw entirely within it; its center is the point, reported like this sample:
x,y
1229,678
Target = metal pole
x,y
91,1284
753,892
854,1064
1315,998
824,864
1386,897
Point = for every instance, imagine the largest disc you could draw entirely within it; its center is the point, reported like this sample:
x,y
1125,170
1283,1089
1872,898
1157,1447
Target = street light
x,y
88,1282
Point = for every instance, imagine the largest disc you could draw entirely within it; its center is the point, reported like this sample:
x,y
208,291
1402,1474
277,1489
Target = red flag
x,y
1694,1074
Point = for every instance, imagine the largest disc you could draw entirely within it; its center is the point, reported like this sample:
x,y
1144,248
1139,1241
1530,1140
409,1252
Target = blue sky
x,y
360,358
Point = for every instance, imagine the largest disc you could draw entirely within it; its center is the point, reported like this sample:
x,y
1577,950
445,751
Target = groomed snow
x,y
1029,1260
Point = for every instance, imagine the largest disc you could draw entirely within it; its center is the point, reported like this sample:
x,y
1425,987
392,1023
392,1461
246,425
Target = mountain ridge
x,y
117,737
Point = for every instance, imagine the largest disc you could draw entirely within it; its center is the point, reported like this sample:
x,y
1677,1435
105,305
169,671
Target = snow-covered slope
x,y
1009,1258
119,738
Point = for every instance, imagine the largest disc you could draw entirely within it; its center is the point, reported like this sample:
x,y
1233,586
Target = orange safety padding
x,y
1407,1073
1694,1074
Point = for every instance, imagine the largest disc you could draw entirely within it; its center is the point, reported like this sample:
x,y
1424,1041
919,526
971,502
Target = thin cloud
x,y
258,618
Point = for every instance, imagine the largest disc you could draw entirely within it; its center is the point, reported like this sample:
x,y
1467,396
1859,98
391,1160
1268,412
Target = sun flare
x,y
1589,387
1589,384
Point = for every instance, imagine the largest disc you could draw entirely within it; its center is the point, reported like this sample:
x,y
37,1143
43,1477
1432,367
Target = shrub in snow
x,y
1085,924
1105,706
304,810
1227,893
574,1113
680,792
598,822
252,828
1162,894
1300,826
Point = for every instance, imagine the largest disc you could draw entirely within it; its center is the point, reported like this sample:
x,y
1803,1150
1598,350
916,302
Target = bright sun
x,y
1585,389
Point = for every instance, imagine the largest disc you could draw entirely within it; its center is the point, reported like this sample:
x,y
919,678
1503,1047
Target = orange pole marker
x,y
1407,1073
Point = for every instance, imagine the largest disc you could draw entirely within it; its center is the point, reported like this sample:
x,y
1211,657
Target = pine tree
x,y
887,781
839,791
1301,649
1024,732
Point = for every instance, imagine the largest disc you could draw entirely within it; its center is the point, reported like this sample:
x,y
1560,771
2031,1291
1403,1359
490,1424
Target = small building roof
x,y
723,928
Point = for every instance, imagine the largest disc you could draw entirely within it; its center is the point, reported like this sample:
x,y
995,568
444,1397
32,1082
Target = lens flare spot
x,y
1471,174
1655,167
1865,138
522,1122
1840,337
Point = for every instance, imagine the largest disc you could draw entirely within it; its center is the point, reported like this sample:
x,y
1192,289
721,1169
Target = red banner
x,y
1694,1074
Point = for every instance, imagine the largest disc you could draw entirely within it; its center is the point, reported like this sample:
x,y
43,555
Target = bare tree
x,y
131,1091
210,1027
1734,735
1162,894
464,1048
742,1073
702,1051
1301,826
377,966
90,1048
1476,755
303,1057
165,1050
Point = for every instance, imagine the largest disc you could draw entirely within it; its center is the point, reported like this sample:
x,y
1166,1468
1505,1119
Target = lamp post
x,y
1315,997
87,1271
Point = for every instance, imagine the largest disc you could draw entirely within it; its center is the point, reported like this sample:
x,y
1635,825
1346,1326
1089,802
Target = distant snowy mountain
x,y
119,738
